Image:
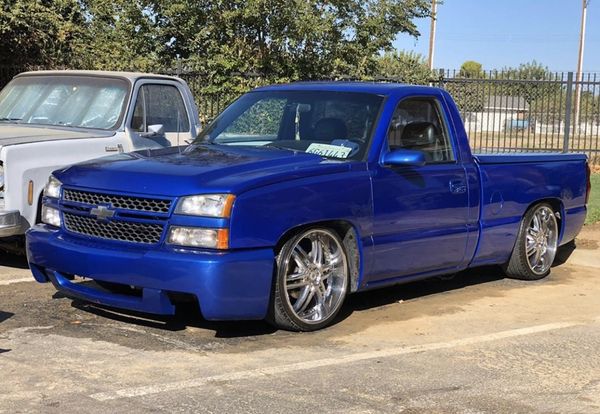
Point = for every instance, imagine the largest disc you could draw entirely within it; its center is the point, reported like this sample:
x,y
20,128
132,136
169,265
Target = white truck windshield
x,y
71,101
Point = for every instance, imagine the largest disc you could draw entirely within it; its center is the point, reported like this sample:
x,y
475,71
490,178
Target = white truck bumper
x,y
10,223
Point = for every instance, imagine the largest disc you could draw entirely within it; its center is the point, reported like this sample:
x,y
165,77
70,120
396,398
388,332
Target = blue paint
x,y
412,220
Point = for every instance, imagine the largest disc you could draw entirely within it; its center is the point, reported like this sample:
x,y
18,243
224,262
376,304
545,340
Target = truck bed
x,y
518,158
511,183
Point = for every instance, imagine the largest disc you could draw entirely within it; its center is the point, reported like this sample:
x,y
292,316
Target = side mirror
x,y
153,131
404,157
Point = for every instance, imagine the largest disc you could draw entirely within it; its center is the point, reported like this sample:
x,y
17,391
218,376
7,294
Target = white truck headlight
x,y
208,205
199,237
52,189
51,216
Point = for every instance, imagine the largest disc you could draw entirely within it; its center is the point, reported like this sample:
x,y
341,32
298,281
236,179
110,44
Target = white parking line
x,y
11,281
319,363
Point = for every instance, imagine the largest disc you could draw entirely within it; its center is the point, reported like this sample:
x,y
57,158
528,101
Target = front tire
x,y
536,245
312,279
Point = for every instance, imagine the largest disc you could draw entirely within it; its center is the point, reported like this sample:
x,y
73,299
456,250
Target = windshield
x,y
73,101
331,124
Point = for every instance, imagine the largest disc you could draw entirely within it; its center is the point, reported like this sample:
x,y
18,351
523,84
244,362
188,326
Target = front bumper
x,y
234,285
10,223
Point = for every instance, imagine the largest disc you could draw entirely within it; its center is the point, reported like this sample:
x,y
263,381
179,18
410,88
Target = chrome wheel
x,y
541,240
316,276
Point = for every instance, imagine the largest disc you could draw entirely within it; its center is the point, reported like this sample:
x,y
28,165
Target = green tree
x,y
531,91
279,40
287,39
40,32
471,69
408,67
123,35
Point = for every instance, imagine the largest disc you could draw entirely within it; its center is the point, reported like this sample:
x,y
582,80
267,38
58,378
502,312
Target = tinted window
x,y
332,124
418,125
160,105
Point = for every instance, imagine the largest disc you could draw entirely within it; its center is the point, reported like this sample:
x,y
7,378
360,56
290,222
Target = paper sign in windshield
x,y
326,150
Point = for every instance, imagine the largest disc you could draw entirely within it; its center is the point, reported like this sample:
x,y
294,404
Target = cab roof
x,y
130,76
345,86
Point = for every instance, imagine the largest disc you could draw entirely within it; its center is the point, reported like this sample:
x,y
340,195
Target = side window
x,y
418,125
160,105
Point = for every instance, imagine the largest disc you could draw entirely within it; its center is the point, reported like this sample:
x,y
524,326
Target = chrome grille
x,y
114,230
117,201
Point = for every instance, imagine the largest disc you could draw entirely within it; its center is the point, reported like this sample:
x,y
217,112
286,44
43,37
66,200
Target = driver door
x,y
420,212
160,103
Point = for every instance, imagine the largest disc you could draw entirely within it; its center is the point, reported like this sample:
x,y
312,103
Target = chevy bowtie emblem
x,y
102,212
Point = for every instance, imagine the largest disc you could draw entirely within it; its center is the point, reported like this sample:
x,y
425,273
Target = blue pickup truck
x,y
298,195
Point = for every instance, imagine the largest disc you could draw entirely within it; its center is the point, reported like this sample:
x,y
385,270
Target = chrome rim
x,y
316,276
541,240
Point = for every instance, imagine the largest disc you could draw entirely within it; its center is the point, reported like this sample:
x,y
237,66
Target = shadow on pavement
x,y
13,260
563,253
5,315
188,314
402,292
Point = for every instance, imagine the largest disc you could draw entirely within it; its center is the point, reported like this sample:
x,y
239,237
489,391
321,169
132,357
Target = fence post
x,y
441,78
568,103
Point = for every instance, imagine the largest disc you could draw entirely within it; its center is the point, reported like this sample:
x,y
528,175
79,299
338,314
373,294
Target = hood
x,y
14,134
199,169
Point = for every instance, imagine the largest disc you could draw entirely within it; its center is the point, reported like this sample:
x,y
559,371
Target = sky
x,y
502,33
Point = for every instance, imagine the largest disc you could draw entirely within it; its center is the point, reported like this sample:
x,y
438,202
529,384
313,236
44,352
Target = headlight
x,y
209,205
51,216
52,189
199,237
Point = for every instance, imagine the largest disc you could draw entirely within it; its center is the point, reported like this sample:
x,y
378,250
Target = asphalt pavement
x,y
478,343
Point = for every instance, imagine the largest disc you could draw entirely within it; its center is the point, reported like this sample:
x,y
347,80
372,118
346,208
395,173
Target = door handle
x,y
458,187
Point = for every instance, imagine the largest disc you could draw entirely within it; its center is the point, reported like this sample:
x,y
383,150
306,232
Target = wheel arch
x,y
558,207
350,236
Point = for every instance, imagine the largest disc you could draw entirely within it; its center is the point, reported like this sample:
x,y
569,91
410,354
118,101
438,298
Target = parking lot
x,y
475,343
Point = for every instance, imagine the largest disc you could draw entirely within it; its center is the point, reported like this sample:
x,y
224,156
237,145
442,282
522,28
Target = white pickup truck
x,y
50,119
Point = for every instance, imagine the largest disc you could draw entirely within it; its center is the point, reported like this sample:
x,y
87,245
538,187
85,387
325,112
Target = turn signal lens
x,y
30,193
51,216
199,237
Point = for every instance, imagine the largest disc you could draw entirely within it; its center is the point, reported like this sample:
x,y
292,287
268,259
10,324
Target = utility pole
x,y
432,32
580,67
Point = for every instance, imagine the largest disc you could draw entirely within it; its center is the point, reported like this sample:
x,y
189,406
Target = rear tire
x,y
311,281
536,246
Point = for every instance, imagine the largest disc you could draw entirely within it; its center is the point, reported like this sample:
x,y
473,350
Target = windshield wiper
x,y
10,119
276,146
64,124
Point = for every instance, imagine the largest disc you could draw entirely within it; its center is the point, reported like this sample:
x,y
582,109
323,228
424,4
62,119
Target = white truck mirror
x,y
153,131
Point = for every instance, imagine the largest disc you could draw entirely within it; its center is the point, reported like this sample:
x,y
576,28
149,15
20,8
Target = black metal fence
x,y
502,112
557,112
